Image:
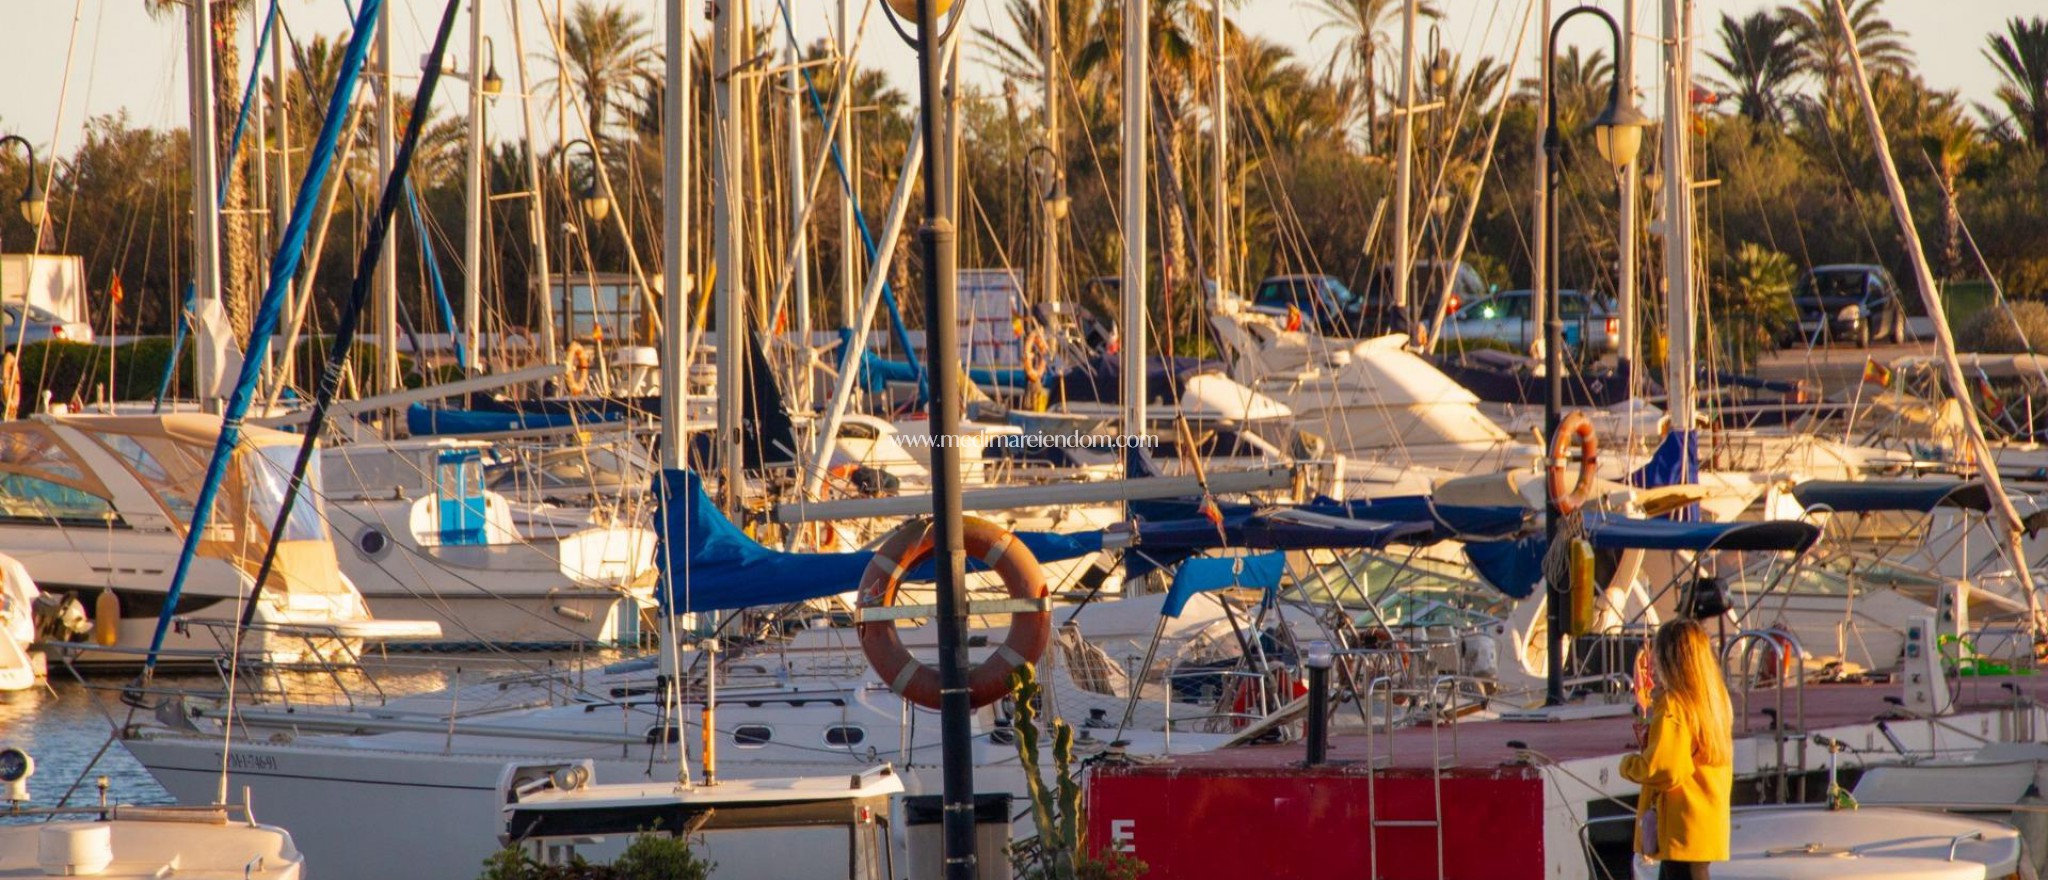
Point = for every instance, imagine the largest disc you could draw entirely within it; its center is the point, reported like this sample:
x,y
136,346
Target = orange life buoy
x,y
579,361
995,547
1037,355
1575,424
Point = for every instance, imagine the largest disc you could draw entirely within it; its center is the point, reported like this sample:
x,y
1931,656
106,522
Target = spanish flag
x,y
115,292
1293,319
1993,407
1875,373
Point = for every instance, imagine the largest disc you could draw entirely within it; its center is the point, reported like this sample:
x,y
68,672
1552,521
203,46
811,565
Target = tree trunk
x,y
1951,228
1174,265
1372,95
239,238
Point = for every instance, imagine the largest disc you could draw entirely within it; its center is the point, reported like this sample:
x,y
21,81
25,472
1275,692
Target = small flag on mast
x,y
1875,373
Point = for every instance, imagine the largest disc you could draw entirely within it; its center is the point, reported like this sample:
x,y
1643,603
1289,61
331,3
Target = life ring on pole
x,y
989,680
579,361
1575,426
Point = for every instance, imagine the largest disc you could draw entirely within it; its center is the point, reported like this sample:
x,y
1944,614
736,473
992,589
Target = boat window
x,y
150,468
25,497
845,735
269,474
752,736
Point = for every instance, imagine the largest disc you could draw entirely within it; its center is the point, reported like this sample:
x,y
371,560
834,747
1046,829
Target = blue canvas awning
x,y
1451,520
1260,571
1611,532
1280,529
1912,496
720,567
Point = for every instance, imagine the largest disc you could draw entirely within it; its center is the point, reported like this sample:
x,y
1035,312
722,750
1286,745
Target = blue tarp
x,y
1870,496
422,420
721,568
1261,572
1676,462
1512,567
1611,532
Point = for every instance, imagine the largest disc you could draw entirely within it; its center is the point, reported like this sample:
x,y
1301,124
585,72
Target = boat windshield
x,y
269,474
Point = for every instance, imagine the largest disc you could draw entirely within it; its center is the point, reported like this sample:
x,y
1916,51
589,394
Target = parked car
x,y
1324,303
1425,286
1506,317
1849,301
43,325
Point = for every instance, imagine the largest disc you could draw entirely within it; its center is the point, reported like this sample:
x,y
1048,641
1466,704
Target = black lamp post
x,y
34,204
590,198
491,84
1617,134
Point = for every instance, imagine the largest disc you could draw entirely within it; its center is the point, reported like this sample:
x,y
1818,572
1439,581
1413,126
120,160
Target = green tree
x,y
2021,56
1756,304
1367,28
607,54
1760,56
1826,48
239,245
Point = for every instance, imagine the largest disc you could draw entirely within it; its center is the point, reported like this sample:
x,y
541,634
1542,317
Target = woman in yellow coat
x,y
1686,765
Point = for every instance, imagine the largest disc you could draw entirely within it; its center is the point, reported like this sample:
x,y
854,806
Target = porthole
x,y
1003,736
752,736
372,542
845,735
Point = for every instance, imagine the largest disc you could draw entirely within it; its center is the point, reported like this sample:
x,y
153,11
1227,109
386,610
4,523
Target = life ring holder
x,y
1575,427
1029,607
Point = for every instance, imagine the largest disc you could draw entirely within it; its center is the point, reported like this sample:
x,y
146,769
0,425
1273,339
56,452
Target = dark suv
x,y
1849,301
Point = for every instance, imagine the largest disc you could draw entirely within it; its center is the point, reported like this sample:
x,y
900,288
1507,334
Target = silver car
x,y
1505,317
42,325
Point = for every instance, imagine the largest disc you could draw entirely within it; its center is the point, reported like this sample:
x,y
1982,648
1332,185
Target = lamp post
x,y
491,85
1053,203
1617,134
596,207
34,203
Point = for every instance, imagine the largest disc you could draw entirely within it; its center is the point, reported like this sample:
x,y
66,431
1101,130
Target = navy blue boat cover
x,y
720,567
1260,571
1913,496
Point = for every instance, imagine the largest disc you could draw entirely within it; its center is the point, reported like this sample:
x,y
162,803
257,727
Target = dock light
x,y
492,84
1618,130
1318,656
596,205
907,9
34,203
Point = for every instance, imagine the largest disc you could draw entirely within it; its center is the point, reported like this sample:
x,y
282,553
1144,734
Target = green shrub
x,y
1993,330
650,856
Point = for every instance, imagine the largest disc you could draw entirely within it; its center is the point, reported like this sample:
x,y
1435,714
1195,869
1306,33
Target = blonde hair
x,y
1689,680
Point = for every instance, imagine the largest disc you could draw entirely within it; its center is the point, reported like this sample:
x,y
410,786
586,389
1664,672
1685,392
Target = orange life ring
x,y
579,362
989,680
1037,355
1575,424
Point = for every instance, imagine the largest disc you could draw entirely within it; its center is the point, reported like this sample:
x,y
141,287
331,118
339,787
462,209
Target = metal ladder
x,y
1414,690
1785,650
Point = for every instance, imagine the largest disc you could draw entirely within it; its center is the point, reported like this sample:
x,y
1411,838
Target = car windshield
x,y
1848,283
1298,292
1338,291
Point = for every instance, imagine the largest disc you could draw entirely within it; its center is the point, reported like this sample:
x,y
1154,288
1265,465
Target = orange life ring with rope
x,y
1037,355
989,680
579,361
1574,425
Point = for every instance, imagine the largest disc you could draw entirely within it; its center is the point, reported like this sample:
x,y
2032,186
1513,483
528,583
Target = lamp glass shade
x,y
492,85
1618,144
596,206
35,206
907,9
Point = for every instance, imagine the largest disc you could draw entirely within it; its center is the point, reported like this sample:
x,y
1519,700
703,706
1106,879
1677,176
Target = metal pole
x,y
1539,278
536,204
209,370
260,177
281,202
675,231
1137,93
473,199
1220,199
799,198
1679,319
849,230
938,240
386,290
1625,271
1049,246
1404,157
729,236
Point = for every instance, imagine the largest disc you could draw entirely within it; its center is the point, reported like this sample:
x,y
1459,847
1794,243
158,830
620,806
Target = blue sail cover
x,y
1611,532
721,568
1909,496
422,420
1676,462
1259,572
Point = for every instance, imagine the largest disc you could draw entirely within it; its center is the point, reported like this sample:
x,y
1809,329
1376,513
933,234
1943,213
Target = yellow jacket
x,y
1691,797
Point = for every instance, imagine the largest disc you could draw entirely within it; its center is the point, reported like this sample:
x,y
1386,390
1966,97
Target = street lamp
x,y
591,198
1052,182
1617,134
492,84
34,203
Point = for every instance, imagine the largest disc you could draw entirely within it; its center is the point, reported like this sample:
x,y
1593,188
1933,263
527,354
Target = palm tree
x,y
1363,24
607,55
2021,56
1760,56
1020,58
240,252
1825,49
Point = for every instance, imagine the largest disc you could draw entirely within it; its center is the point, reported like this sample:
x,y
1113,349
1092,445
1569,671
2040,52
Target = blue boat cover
x,y
1870,496
1260,571
1512,567
1451,520
1676,462
422,420
1610,532
722,568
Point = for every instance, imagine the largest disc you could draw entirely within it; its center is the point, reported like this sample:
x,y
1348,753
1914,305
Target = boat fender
x,y
106,618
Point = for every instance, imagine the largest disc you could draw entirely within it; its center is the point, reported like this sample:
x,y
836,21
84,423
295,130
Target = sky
x,y
69,61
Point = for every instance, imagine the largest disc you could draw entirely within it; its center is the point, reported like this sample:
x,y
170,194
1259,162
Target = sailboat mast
x,y
1539,202
1680,329
1219,210
281,204
210,370
799,205
1625,268
1131,325
473,200
1404,159
849,231
675,234
728,235
536,203
1049,214
385,293
2009,523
